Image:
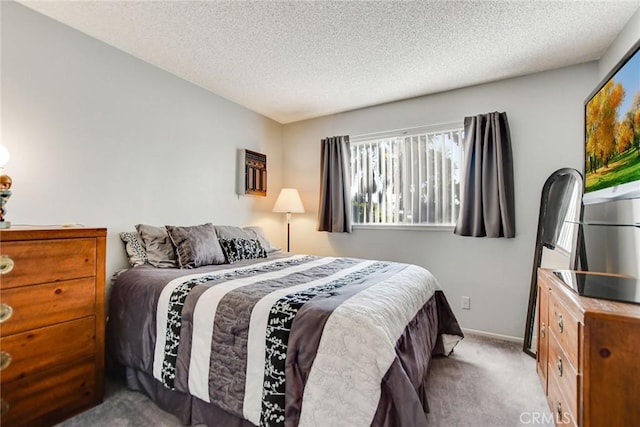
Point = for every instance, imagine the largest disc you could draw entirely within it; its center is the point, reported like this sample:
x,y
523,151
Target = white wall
x,y
545,117
100,138
629,35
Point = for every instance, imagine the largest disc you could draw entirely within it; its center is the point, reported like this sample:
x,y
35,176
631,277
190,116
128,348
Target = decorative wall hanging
x,y
252,173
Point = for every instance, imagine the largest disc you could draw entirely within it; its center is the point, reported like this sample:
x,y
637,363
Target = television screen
x,y
612,134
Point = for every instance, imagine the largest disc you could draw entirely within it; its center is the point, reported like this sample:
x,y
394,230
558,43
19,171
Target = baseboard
x,y
492,335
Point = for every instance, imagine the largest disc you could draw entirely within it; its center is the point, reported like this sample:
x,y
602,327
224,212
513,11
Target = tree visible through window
x,y
408,179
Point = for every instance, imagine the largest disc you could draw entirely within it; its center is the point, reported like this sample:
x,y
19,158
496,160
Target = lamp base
x,y
5,224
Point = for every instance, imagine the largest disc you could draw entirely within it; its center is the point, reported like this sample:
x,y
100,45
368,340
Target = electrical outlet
x,y
466,303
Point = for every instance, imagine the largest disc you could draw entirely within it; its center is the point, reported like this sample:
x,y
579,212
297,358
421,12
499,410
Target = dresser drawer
x,y
565,328
564,374
559,406
47,398
47,347
41,261
31,307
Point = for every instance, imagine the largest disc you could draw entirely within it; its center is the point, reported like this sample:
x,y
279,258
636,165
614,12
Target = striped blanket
x,y
295,340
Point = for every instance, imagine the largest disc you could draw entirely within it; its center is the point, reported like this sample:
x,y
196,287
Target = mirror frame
x,y
537,256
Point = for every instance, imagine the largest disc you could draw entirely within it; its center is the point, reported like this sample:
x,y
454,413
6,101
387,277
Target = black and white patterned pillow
x,y
239,249
134,247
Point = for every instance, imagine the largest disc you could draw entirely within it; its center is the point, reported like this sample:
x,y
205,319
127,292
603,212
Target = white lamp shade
x,y
288,201
4,155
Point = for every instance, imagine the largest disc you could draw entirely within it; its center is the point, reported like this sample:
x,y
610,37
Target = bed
x,y
281,339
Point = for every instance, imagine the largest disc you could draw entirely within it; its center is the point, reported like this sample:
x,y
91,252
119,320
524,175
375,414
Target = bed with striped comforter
x,y
283,341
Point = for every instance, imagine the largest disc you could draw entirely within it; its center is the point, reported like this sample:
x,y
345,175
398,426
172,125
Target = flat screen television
x,y
612,134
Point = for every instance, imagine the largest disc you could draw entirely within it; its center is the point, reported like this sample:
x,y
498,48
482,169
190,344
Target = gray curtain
x,y
487,205
334,212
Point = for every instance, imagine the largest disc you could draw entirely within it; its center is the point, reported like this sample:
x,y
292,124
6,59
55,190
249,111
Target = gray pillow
x,y
196,245
257,233
134,247
160,251
228,232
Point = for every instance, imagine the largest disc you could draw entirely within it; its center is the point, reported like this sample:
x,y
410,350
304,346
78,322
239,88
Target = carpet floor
x,y
485,382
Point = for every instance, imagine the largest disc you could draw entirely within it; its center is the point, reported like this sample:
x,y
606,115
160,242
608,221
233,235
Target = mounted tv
x,y
612,134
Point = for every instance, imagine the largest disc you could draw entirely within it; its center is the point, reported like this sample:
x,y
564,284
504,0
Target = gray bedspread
x,y
287,340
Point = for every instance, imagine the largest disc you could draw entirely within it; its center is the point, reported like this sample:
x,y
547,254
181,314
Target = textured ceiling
x,y
293,60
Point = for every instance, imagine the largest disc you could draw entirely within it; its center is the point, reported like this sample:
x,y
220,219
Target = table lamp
x,y
288,202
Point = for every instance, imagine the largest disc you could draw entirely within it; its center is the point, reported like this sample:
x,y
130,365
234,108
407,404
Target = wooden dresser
x,y
588,356
51,323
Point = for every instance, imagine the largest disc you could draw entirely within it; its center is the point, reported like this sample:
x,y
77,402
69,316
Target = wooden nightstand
x,y
588,356
52,319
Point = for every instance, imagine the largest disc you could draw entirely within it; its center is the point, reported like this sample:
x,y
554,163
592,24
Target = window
x,y
411,178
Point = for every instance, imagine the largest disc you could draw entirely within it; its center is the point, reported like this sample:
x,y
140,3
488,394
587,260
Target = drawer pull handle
x,y
6,311
6,264
5,360
543,330
559,411
4,407
559,366
560,323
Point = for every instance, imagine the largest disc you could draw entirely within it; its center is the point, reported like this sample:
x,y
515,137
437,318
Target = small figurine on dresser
x,y
5,193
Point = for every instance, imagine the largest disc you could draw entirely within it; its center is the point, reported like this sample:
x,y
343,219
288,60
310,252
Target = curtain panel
x,y
334,211
487,204
557,204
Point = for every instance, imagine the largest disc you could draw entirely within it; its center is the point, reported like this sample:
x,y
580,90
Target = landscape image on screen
x,y
612,146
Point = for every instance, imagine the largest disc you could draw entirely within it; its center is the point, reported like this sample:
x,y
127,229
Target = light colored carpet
x,y
485,382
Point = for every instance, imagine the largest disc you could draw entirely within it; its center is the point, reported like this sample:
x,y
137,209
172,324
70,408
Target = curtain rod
x,y
406,130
